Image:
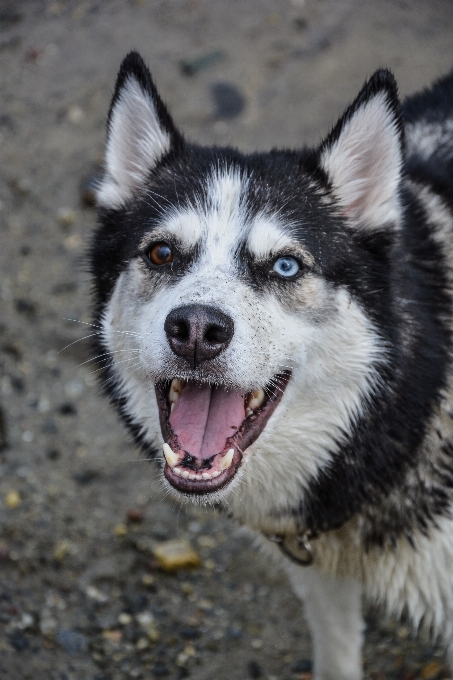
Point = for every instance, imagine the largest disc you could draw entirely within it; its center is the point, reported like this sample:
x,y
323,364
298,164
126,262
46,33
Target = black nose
x,y
198,332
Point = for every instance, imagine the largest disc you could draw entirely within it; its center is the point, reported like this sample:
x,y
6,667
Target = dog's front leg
x,y
333,611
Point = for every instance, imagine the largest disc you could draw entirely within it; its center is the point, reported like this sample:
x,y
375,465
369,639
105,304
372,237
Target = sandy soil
x,y
80,595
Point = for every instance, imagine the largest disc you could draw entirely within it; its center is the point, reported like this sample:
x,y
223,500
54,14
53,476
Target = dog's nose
x,y
198,332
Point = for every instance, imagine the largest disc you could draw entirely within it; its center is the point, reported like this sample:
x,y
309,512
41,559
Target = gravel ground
x,y
82,596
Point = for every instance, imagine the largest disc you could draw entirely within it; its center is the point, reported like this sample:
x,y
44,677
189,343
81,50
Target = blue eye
x,y
286,266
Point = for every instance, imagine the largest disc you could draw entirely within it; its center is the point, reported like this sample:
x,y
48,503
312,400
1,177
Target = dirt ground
x,y
80,513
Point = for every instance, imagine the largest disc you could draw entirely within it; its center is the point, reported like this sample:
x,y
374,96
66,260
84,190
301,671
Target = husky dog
x,y
279,334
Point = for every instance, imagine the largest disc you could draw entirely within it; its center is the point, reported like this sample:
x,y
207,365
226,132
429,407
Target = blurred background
x,y
87,586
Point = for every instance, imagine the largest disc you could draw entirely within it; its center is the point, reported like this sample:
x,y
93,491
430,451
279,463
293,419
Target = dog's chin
x,y
208,428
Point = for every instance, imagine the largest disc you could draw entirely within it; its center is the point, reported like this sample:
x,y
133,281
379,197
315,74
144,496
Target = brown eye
x,y
160,253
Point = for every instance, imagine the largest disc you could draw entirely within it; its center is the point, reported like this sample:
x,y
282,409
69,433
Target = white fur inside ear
x,y
136,141
364,164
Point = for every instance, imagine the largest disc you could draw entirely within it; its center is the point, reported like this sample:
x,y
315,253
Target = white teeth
x,y
227,459
216,473
255,400
185,474
176,388
170,456
198,477
177,471
206,475
192,475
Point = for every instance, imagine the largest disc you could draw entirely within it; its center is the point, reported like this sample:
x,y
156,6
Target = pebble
x,y
228,100
96,594
112,635
176,554
72,643
61,551
134,515
12,499
47,624
120,530
194,66
254,670
256,643
148,581
75,114
66,217
431,671
88,189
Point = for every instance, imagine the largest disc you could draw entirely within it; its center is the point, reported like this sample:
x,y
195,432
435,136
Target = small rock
x,y
26,621
61,551
112,635
194,66
67,409
53,454
49,427
12,499
86,477
47,624
124,619
4,553
18,641
302,666
72,642
75,114
190,633
134,515
256,643
96,594
145,619
431,671
142,643
228,100
148,581
254,670
120,530
74,389
176,554
66,217
25,306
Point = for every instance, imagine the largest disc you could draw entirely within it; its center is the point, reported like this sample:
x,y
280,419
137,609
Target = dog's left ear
x,y
363,155
140,132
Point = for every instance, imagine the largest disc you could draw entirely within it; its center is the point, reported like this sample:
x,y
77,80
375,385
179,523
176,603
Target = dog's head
x,y
241,297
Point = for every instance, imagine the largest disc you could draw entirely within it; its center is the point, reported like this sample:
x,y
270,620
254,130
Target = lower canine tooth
x,y
216,473
171,457
227,459
177,471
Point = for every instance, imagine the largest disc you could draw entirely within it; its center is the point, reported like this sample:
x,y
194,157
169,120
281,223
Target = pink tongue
x,y
204,417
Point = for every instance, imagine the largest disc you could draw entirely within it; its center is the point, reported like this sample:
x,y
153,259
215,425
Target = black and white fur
x,y
360,448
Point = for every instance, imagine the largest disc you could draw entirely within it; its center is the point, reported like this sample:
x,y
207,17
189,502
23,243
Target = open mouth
x,y
206,429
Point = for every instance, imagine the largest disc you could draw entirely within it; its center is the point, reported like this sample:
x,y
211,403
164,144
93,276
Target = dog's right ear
x,y
140,132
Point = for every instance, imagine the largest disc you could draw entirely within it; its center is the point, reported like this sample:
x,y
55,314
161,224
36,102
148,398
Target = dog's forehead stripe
x,y
221,222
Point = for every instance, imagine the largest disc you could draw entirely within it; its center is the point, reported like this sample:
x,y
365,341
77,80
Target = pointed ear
x,y
140,132
363,155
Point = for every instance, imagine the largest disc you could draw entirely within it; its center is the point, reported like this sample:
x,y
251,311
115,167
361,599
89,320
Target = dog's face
x,y
242,297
